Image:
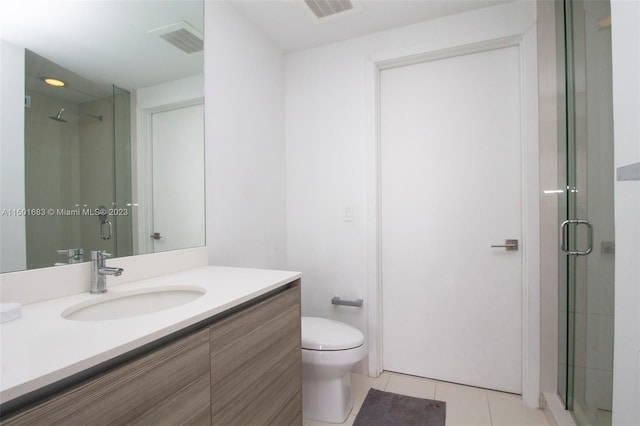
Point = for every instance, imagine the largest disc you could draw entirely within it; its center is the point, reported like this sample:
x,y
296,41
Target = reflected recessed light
x,y
605,23
53,81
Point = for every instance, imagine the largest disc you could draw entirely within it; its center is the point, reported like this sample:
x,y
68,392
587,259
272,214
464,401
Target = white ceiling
x,y
292,26
106,41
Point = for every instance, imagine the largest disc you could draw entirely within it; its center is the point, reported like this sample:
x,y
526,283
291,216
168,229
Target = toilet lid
x,y
323,334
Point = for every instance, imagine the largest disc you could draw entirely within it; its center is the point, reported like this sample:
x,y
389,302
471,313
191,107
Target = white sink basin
x,y
132,303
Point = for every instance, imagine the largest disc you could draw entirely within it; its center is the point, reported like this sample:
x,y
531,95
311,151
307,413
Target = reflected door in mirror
x,y
178,187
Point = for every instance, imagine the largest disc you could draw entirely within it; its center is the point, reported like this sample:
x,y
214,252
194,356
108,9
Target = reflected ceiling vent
x,y
324,9
181,35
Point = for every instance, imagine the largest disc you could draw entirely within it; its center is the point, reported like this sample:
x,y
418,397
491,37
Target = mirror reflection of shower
x,y
59,118
77,157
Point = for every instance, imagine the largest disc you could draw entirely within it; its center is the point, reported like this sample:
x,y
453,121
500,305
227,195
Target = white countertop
x,y
41,347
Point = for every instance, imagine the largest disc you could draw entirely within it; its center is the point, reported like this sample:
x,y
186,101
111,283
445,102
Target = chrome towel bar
x,y
337,301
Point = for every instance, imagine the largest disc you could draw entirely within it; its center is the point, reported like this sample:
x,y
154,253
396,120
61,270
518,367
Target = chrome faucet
x,y
74,255
99,271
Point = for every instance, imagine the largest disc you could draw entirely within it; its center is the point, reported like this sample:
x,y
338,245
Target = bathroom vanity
x,y
231,356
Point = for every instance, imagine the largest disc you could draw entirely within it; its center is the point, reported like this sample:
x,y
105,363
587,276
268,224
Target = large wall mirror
x,y
109,153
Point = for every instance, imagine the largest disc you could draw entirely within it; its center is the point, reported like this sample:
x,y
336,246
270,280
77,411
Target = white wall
x,y
172,92
625,17
13,250
328,145
244,133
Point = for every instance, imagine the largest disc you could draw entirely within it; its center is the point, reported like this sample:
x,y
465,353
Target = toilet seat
x,y
322,334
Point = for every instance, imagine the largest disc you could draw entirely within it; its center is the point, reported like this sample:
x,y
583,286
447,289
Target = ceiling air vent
x,y
181,35
327,8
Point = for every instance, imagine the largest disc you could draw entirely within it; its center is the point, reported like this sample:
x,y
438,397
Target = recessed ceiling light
x,y
53,81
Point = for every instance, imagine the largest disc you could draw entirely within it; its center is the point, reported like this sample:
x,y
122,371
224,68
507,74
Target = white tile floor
x,y
465,405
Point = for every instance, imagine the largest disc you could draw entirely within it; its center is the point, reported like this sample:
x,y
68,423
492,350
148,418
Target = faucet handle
x,y
99,254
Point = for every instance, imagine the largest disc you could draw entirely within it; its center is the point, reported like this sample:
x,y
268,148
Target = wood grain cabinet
x,y
256,364
170,385
243,369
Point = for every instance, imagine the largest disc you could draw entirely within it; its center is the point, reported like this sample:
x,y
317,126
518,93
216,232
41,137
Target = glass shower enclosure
x,y
585,216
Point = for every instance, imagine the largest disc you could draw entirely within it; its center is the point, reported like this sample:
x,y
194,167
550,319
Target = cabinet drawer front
x,y
256,363
233,328
170,385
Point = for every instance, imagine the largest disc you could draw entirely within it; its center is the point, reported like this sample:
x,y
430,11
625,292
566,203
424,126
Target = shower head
x,y
59,118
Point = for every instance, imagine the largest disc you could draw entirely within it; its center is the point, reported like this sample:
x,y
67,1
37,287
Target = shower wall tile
x,y
601,282
598,389
599,348
581,285
580,342
579,383
594,341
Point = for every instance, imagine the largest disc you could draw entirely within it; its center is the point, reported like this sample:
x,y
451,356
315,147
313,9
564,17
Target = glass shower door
x,y
586,213
122,172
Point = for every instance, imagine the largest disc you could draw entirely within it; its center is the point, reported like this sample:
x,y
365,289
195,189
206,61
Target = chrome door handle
x,y
563,237
509,245
156,236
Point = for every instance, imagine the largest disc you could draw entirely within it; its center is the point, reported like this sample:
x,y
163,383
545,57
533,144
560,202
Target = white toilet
x,y
330,349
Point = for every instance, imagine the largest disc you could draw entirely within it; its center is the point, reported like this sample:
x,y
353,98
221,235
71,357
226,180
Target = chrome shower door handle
x,y
509,245
563,237
103,235
103,218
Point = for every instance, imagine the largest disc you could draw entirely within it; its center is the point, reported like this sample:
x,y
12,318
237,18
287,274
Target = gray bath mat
x,y
390,409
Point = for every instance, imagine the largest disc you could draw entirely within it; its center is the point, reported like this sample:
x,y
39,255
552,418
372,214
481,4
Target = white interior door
x,y
451,184
178,178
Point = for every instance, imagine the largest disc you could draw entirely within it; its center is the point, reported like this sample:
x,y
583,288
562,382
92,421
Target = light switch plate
x,y
348,214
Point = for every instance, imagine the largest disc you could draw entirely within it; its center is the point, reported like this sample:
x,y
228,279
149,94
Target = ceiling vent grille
x,y
325,8
181,35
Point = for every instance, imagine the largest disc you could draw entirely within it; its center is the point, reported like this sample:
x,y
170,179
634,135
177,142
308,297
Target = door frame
x,y
527,45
